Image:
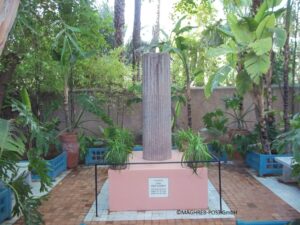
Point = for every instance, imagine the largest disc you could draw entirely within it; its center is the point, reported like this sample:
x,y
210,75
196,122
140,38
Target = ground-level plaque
x,y
158,187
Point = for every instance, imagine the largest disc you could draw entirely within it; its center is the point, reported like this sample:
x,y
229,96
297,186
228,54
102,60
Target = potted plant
x,y
41,141
242,142
222,151
67,52
12,149
50,150
194,149
92,149
69,137
256,156
216,127
181,140
70,144
119,146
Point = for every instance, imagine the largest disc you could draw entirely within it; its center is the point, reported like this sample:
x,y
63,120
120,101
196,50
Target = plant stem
x,y
286,69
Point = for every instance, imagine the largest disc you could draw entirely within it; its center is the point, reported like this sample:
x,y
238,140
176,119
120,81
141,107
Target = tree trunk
x,y
136,39
270,119
10,63
66,13
295,57
188,95
66,98
189,106
8,12
258,96
156,27
119,22
71,96
240,68
286,69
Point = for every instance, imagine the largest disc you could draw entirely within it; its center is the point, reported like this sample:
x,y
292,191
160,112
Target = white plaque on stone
x,y
158,187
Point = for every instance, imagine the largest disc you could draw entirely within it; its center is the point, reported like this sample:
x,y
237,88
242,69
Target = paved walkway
x,y
72,198
252,200
288,193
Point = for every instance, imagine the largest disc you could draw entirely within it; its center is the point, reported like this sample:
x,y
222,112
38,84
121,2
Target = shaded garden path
x,y
71,199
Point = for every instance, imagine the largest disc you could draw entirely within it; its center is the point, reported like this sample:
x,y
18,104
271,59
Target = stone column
x,y
156,106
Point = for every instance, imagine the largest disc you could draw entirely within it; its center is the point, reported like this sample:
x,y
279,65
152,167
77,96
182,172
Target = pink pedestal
x,y
181,189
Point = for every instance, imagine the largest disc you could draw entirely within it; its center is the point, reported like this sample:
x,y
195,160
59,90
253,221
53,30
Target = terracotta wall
x,y
200,106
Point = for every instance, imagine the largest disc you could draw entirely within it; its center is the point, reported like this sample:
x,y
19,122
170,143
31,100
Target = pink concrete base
x,y
128,189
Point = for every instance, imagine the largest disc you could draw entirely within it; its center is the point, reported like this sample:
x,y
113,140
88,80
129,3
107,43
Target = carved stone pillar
x,y
156,106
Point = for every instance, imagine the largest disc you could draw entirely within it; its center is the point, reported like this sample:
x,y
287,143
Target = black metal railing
x,y
214,159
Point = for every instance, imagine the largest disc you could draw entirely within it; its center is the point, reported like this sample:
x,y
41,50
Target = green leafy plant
x,y
181,138
221,148
235,103
87,141
216,125
250,42
119,143
66,50
243,143
194,149
177,44
87,103
92,104
215,122
290,142
11,150
40,136
178,101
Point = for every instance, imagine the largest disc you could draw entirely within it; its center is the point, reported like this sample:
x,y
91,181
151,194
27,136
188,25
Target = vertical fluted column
x,y
156,106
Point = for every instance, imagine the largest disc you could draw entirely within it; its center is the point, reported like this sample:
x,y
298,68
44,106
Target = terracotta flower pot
x,y
70,143
237,156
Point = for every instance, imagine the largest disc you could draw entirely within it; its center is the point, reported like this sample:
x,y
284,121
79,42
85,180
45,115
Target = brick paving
x,y
72,198
252,200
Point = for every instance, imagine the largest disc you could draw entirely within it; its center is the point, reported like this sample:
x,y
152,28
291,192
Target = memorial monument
x,y
157,116
164,186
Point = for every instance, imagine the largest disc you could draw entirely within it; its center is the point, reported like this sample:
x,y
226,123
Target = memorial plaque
x,y
158,187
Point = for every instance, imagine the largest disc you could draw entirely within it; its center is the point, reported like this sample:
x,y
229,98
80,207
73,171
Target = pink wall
x,y
128,189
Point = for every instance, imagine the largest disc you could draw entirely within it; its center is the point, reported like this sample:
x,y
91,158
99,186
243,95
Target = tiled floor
x,y
72,198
